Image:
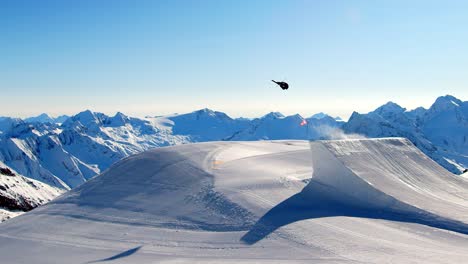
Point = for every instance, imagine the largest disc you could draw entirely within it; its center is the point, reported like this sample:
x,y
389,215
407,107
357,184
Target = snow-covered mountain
x,y
275,126
45,118
20,194
207,125
324,115
441,131
68,153
445,124
344,201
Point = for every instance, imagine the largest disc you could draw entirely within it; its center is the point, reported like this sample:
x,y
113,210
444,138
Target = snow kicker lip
x,y
338,188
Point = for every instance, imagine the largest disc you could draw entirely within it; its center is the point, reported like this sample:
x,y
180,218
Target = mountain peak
x,y
390,107
6,123
86,117
446,102
119,119
319,115
297,116
273,115
85,114
205,110
61,119
120,115
448,97
339,119
42,118
416,113
44,115
211,113
354,115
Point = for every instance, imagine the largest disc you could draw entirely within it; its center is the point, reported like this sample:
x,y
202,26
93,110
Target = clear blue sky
x,y
158,57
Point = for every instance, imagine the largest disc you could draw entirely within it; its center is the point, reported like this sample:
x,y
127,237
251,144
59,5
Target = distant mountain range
x,y
66,151
45,118
441,131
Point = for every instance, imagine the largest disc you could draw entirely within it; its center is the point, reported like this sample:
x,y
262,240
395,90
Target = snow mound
x,y
164,187
345,201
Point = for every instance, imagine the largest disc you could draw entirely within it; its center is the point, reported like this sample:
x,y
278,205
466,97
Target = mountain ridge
x,y
67,154
287,201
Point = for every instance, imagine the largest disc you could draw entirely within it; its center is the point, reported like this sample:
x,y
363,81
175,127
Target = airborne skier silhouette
x,y
283,85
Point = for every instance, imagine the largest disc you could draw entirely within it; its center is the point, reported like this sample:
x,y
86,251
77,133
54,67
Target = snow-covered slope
x,y
445,124
19,194
465,175
350,201
7,123
66,154
441,131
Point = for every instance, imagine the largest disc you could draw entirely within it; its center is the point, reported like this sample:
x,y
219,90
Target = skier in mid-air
x,y
283,85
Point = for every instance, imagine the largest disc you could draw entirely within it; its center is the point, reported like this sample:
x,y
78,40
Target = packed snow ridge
x,y
335,201
67,151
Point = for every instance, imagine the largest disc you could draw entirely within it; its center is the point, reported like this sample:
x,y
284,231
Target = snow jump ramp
x,y
388,174
352,201
386,178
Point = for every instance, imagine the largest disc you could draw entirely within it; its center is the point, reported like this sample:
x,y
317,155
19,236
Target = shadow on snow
x,y
318,200
120,255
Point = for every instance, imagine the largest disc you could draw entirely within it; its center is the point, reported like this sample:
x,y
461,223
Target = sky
x,y
172,56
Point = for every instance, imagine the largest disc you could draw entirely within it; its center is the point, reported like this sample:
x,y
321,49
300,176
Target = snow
x,y
7,214
322,115
319,115
440,132
206,125
446,125
416,113
345,201
66,154
274,127
6,123
465,175
45,118
19,194
273,115
389,108
42,118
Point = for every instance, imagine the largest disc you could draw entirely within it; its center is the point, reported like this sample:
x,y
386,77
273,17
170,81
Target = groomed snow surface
x,y
345,201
